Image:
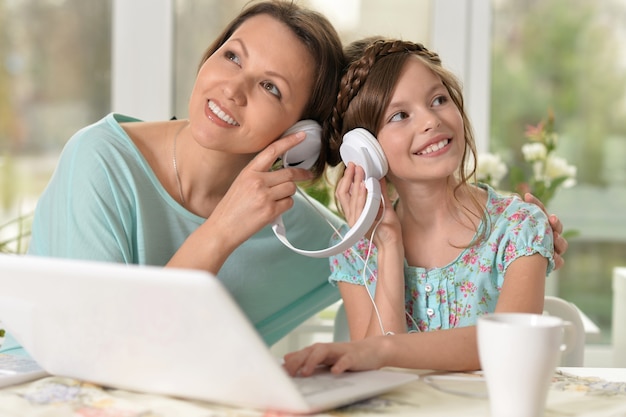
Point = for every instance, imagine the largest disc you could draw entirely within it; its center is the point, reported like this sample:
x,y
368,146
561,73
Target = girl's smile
x,y
423,132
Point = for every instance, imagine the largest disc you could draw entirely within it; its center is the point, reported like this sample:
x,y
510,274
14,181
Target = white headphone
x,y
360,147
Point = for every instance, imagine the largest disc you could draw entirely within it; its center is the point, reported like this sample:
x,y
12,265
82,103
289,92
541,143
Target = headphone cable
x,y
365,261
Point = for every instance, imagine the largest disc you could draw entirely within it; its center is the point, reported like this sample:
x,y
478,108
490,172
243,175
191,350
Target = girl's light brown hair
x,y
375,65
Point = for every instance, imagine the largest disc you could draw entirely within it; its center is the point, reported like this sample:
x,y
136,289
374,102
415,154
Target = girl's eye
x,y
398,116
271,88
231,56
440,100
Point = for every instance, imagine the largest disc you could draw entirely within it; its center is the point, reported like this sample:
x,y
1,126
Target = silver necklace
x,y
174,162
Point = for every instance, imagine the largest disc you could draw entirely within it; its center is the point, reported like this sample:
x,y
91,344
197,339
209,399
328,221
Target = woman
x,y
199,193
446,250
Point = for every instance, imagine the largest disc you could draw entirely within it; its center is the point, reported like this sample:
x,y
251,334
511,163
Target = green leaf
x,y
569,234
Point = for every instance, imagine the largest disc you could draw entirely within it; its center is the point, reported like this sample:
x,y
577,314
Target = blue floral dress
x,y
457,294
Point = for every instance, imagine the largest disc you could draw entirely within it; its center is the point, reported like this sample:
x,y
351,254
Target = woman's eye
x,y
231,56
271,88
398,116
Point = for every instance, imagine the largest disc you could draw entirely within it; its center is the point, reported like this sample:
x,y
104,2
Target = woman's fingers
x,y
560,243
258,195
264,160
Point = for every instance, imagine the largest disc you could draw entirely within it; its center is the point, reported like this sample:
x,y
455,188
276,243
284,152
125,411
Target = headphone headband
x,y
361,148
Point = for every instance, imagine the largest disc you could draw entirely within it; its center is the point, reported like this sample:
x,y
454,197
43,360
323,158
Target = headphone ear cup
x,y
360,147
305,154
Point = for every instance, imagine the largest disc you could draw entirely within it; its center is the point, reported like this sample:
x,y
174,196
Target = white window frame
x,y
461,35
142,58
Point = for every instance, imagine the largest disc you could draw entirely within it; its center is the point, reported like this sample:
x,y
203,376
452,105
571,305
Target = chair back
x,y
555,306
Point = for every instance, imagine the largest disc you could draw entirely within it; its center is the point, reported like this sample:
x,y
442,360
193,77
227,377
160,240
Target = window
x,y
570,57
54,78
198,23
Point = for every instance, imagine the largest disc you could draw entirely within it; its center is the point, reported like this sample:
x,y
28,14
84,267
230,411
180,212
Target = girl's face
x,y
422,133
252,89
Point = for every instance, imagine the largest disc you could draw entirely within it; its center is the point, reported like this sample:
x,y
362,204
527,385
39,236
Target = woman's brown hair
x,y
321,40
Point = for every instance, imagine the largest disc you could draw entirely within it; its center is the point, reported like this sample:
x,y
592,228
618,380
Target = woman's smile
x,y
221,114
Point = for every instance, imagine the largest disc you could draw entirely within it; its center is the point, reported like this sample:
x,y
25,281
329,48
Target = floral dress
x,y
456,294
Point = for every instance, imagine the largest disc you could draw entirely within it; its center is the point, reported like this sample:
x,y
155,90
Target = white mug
x,y
518,354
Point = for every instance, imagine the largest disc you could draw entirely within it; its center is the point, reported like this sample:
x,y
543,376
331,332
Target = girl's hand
x,y
361,355
389,229
352,194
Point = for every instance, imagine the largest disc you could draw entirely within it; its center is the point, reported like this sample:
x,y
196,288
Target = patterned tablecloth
x,y
434,394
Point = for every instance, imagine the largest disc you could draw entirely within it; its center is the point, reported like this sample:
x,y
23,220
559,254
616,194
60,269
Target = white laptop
x,y
159,330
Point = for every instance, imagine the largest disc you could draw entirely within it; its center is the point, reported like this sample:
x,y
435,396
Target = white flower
x,y
490,169
557,167
534,151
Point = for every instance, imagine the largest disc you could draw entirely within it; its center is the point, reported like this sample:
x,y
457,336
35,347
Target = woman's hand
x,y
256,198
560,243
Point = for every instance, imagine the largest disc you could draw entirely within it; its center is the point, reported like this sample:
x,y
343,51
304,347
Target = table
x,y
587,392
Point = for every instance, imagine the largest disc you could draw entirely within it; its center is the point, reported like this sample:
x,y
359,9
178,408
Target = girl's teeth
x,y
434,147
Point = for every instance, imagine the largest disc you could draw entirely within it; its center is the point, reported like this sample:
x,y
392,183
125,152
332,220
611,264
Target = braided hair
x,y
374,67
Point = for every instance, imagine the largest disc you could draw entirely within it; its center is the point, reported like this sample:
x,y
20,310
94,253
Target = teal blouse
x,y
105,203
456,294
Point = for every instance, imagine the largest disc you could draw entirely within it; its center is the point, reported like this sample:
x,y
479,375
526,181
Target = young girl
x,y
446,250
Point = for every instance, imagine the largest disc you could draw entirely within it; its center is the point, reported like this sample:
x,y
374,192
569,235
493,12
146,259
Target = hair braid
x,y
355,77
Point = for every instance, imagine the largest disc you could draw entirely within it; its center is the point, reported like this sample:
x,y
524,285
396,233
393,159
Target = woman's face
x,y
422,133
252,89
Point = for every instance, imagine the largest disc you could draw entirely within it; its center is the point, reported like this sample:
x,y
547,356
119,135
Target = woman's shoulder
x,y
102,138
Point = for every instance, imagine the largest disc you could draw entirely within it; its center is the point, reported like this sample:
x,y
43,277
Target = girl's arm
x,y
387,315
523,289
452,349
